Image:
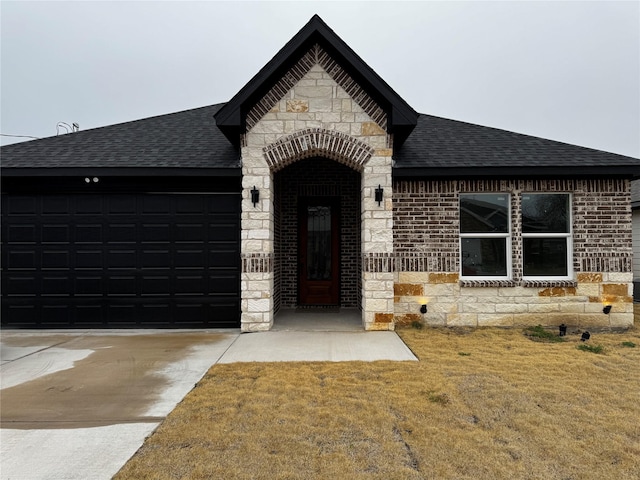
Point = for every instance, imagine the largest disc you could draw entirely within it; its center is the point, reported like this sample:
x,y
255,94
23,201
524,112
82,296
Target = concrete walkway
x,y
78,404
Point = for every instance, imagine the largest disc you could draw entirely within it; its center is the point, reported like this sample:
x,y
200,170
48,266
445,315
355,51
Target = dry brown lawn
x,y
481,404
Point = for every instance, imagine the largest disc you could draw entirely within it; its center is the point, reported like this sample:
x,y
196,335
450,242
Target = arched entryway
x,y
317,225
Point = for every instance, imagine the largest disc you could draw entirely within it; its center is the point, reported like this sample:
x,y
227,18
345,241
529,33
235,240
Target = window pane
x,y
318,243
545,257
484,257
545,213
484,213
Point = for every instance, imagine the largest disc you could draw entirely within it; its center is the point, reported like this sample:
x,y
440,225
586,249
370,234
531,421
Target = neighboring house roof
x,y
401,118
635,194
442,147
187,140
188,143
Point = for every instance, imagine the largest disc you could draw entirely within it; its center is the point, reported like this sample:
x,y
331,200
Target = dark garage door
x,y
120,260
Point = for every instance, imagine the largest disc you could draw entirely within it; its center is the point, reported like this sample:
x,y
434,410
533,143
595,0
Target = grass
x,y
509,408
539,334
585,347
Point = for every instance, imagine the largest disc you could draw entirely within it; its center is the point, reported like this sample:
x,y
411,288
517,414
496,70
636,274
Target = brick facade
x,y
317,177
426,228
317,133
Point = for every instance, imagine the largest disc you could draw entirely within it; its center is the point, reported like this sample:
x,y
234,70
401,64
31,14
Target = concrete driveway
x,y
79,404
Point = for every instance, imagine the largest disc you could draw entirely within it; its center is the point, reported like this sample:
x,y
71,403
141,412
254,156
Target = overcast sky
x,y
567,71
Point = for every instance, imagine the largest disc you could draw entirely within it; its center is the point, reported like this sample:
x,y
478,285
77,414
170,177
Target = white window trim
x,y
507,235
568,236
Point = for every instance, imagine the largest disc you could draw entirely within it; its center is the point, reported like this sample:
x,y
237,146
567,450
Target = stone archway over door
x,y
309,183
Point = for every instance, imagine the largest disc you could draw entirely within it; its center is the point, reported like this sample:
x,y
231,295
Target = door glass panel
x,y
318,243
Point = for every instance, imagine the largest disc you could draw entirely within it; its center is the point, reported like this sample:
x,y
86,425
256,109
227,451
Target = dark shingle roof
x,y
449,146
187,139
191,140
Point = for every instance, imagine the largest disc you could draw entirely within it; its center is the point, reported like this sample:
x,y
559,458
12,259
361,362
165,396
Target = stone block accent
x,y
589,277
372,128
405,289
383,318
615,289
557,292
443,278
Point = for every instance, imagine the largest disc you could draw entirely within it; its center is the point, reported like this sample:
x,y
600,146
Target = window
x,y
546,234
485,236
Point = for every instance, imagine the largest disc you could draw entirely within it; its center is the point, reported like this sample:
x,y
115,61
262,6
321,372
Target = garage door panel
x,y
190,313
22,234
54,234
191,233
190,258
156,205
89,259
155,285
122,233
121,205
190,204
58,285
21,205
56,205
190,285
222,284
22,315
120,260
157,314
22,258
122,315
156,232
222,257
224,231
88,233
88,205
55,259
121,285
89,286
155,258
20,284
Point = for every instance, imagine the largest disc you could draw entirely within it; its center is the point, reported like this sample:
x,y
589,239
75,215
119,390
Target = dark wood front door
x,y
319,251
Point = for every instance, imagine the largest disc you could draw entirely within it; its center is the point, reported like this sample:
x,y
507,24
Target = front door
x,y
319,251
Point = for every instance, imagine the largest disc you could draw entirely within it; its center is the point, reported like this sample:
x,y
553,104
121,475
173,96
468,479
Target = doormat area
x,y
318,309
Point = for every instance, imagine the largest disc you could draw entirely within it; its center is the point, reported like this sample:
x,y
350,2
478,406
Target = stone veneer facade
x,y
406,251
316,110
426,226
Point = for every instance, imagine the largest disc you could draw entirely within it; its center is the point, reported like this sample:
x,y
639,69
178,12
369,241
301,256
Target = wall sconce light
x,y
255,195
423,308
379,191
606,309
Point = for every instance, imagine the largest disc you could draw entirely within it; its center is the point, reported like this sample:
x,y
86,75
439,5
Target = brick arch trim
x,y
314,142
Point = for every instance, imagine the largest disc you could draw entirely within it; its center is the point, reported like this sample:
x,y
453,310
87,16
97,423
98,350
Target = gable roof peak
x,y
232,118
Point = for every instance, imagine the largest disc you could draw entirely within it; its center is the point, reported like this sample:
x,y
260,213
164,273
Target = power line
x,y
19,136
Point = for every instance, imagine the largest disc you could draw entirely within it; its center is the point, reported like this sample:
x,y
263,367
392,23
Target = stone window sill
x,y
488,283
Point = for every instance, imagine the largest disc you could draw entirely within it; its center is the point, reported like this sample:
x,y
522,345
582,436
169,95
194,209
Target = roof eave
x,y
627,171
